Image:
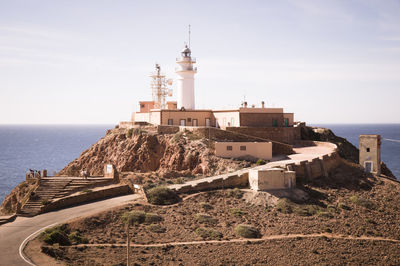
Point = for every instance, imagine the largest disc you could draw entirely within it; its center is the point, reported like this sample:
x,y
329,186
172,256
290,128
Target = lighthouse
x,y
185,82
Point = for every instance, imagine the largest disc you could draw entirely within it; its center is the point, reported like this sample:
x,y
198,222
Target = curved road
x,y
13,234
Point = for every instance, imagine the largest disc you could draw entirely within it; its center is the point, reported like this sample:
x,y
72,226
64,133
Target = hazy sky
x,y
88,61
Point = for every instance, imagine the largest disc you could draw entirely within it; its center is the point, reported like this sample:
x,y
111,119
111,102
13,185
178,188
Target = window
x,y
367,149
242,148
189,120
170,122
228,148
286,122
275,123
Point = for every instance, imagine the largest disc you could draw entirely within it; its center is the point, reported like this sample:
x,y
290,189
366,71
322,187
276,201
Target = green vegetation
x,y
209,233
179,180
177,136
287,206
86,191
134,217
238,212
247,231
152,218
45,202
192,136
162,196
344,206
61,235
205,218
260,162
129,133
362,202
156,228
235,193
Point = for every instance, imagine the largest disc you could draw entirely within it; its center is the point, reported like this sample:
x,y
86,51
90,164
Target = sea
x,y
51,147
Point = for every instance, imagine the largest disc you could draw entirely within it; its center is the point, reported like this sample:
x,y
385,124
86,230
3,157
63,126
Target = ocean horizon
x,y
52,147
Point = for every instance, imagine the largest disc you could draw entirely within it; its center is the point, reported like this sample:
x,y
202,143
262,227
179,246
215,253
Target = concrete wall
x,y
257,150
86,197
188,116
370,152
274,178
227,119
141,117
154,117
287,135
290,117
261,119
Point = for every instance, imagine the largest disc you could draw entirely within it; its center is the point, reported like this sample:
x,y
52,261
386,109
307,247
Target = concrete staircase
x,y
54,188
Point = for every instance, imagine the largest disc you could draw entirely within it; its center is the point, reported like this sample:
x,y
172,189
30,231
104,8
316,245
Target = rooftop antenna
x,y
189,35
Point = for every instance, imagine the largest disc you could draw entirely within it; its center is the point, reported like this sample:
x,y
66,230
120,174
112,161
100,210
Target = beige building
x,y
272,178
370,153
256,150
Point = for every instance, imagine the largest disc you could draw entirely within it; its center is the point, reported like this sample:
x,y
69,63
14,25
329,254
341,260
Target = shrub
x,y
205,218
162,196
129,133
260,162
362,202
134,217
235,193
206,206
45,202
210,233
56,235
285,205
156,228
86,191
179,180
344,206
247,231
324,214
152,218
237,212
77,238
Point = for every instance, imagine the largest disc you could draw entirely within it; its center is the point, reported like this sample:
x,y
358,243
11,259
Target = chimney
x,y
245,104
262,104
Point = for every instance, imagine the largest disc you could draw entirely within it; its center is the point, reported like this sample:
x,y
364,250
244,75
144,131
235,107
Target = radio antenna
x,y
189,35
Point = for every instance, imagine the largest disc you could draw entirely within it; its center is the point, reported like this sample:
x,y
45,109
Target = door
x,y
368,167
286,122
195,123
207,122
182,122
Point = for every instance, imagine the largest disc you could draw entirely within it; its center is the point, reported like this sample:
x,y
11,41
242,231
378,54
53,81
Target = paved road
x,y
13,234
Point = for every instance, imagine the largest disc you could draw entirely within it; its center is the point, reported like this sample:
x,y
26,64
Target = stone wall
x,y
239,180
281,134
86,197
261,119
167,129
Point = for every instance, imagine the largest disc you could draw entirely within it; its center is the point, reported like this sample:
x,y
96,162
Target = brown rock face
x,y
168,155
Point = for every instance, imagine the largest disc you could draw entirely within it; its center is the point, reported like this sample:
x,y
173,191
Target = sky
x,y
88,62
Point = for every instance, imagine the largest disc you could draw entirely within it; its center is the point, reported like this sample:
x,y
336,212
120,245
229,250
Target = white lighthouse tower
x,y
186,73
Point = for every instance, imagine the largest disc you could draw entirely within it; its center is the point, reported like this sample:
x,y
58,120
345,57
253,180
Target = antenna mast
x,y
160,88
189,35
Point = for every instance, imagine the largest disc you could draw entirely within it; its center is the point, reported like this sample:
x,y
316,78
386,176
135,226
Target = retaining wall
x,y
280,134
86,197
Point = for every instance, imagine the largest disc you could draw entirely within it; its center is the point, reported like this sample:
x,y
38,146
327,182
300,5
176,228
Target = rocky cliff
x,y
142,151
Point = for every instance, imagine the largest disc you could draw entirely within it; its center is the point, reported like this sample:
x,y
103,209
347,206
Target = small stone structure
x,y
370,153
273,178
110,171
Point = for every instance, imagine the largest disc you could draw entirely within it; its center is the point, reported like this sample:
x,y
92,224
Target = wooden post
x,y
128,244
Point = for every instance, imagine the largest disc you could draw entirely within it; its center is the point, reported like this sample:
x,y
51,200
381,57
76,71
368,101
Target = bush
x,y
287,206
235,193
76,238
129,133
45,202
362,202
247,231
260,162
237,212
134,217
344,206
56,235
162,196
156,228
205,219
209,233
152,218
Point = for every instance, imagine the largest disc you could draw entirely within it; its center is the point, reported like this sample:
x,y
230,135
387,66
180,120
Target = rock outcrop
x,y
179,154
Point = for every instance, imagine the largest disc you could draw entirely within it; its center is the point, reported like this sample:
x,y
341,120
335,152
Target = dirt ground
x,y
348,203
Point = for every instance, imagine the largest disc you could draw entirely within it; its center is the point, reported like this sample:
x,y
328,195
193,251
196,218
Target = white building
x,y
185,85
